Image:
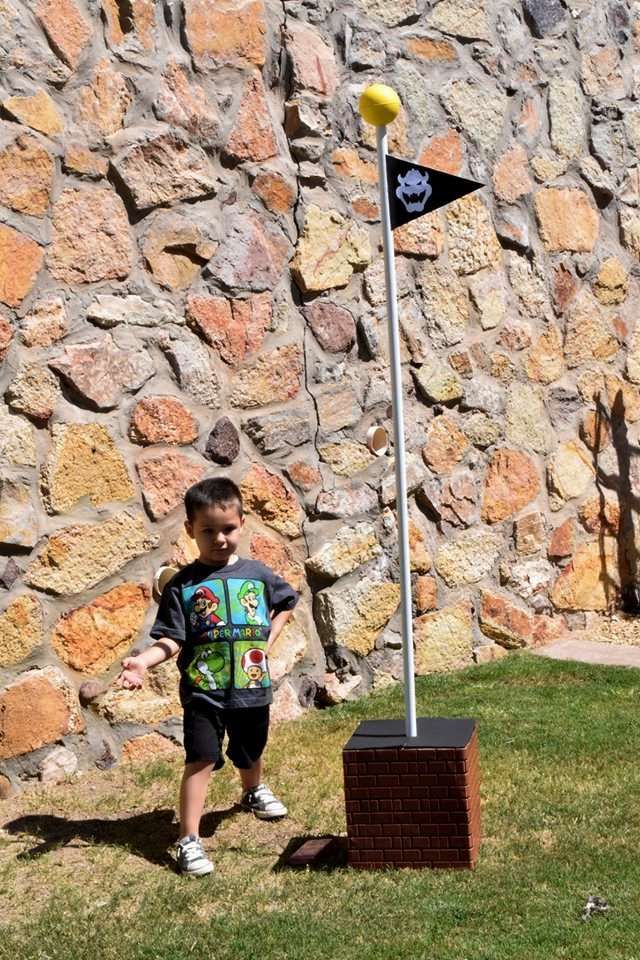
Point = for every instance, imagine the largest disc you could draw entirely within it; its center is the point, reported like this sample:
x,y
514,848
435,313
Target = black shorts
x,y
205,726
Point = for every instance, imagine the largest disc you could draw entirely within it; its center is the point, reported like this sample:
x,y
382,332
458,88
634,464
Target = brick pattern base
x,y
413,806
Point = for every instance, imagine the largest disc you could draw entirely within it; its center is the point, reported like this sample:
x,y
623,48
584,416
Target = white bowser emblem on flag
x,y
413,190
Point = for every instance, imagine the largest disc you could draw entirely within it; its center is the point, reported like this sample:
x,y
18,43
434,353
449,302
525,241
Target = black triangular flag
x,y
415,190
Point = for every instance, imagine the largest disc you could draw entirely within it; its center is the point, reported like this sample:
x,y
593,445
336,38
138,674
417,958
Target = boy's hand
x,y
132,674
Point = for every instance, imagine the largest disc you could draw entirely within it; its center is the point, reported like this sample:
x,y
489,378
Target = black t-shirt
x,y
221,617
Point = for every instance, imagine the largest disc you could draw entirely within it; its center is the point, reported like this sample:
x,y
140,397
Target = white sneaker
x,y
191,858
262,803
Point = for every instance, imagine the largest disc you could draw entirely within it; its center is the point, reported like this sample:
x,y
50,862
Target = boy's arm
x,y
135,668
277,624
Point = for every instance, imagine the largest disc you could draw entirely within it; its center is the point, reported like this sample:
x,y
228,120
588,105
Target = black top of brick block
x,y
432,732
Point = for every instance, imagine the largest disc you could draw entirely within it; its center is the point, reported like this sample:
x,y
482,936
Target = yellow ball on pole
x,y
379,104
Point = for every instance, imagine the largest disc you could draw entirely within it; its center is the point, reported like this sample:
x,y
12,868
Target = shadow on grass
x,y
146,835
333,857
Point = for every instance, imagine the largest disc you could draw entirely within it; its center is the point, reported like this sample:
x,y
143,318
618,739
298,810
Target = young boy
x,y
220,614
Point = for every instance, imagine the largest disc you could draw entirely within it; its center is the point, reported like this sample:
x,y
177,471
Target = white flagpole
x,y
398,434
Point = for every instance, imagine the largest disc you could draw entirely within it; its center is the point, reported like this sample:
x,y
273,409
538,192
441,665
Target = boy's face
x,y
217,531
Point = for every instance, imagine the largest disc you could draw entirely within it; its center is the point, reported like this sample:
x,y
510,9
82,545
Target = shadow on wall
x,y
627,596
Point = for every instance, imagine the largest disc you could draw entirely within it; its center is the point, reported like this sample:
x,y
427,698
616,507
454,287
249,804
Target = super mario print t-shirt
x,y
221,617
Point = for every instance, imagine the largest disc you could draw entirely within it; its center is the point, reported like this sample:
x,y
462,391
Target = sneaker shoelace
x,y
191,850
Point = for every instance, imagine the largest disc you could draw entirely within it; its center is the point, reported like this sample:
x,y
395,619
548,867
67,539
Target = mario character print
x,y
248,603
206,606
209,667
251,666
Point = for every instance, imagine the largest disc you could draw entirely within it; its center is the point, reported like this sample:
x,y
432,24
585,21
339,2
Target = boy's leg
x,y
252,776
248,731
193,792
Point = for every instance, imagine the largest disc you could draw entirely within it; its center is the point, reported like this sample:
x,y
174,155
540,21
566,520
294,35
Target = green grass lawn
x,y
84,873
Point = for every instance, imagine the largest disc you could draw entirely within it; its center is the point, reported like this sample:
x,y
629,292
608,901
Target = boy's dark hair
x,y
212,492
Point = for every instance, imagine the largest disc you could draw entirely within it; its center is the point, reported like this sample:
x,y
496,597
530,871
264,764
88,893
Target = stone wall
x,y
191,283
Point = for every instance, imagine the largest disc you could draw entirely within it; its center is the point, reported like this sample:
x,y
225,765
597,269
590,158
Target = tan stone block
x,y
83,462
17,439
91,237
504,622
350,548
37,708
163,169
527,423
158,700
612,283
423,237
312,60
162,420
100,371
446,445
438,382
592,580
347,163
328,251
595,431
26,176
45,324
489,653
563,540
601,514
569,473
165,479
34,391
566,219
252,136
67,29
443,152
445,304
79,159
302,474
588,335
480,110
468,557
511,178
444,639
433,51
20,261
265,494
337,409
511,482
354,615
103,104
235,328
93,637
472,240
229,32
425,594
528,534
419,556
80,556
21,630
286,704
566,113
185,104
282,557
487,294
18,518
276,191
346,458
38,112
545,360
149,747
273,378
